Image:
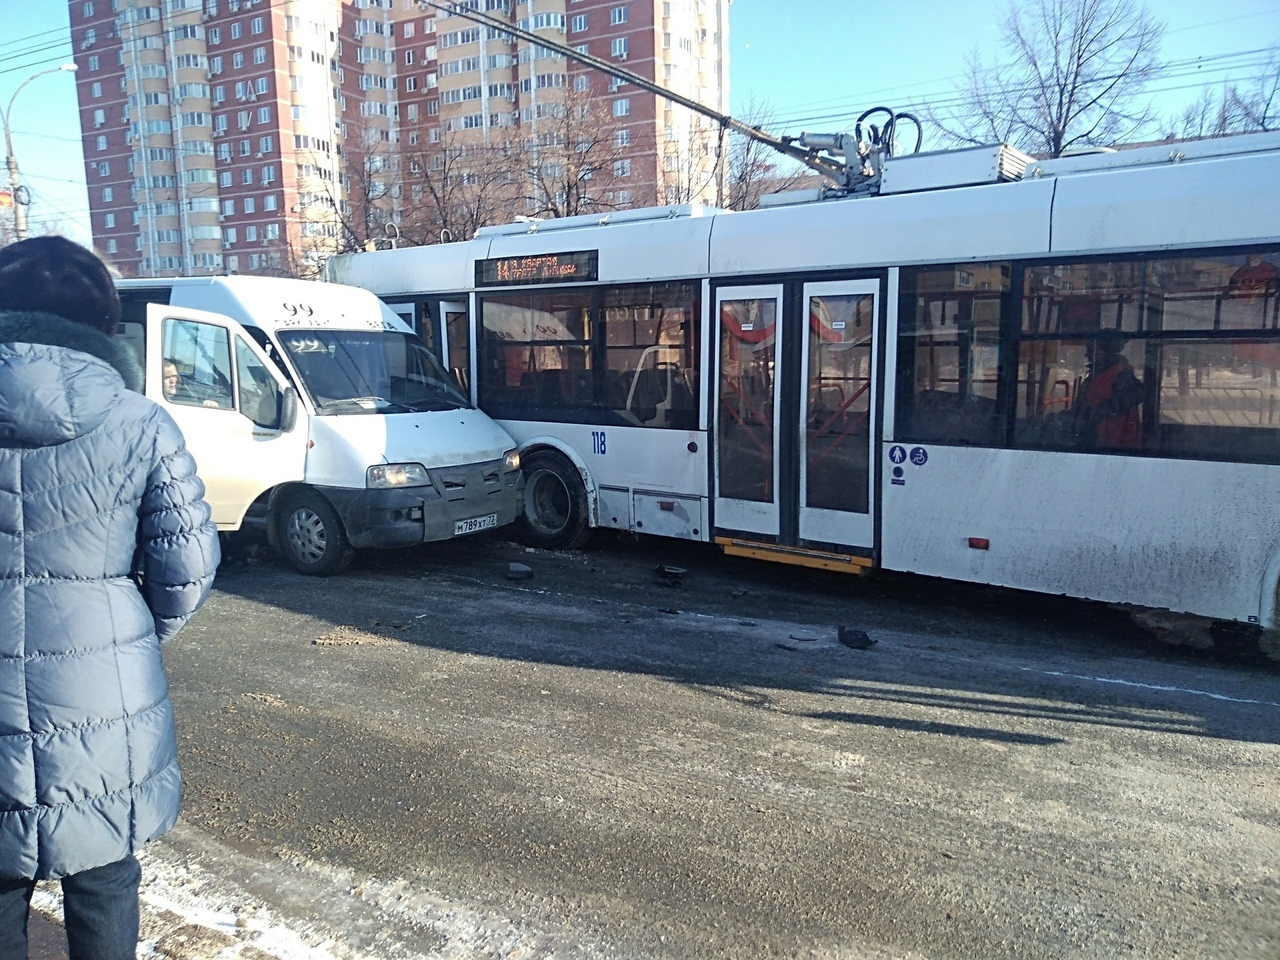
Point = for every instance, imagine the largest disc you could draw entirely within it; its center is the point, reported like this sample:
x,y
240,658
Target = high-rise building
x,y
261,135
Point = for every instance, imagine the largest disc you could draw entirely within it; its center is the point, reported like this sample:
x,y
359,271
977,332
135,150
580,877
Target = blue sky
x,y
815,65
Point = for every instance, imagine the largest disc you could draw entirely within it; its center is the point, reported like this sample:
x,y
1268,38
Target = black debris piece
x,y
519,571
666,570
856,639
668,610
786,646
803,639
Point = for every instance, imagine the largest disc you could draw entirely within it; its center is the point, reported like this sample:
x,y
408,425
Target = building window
x,y
104,168
618,15
237,61
620,47
581,83
264,114
245,148
214,35
260,85
237,30
250,234
246,176
266,144
102,143
622,138
272,231
256,25
578,23
268,174
408,58
224,179
259,54
269,202
109,221
107,195
93,62
228,208
622,107
622,168
111,246
95,89
410,84
248,205
88,9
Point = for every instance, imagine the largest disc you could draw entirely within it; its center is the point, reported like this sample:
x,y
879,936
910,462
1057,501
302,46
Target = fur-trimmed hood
x,y
58,378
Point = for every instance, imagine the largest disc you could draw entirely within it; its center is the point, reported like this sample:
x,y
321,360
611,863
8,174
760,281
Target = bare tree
x,y
1259,102
572,159
691,163
1072,73
753,169
1234,108
450,189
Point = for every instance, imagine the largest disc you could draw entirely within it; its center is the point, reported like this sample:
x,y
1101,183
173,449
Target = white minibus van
x,y
312,409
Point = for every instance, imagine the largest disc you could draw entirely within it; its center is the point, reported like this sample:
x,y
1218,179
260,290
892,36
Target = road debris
x,y
855,639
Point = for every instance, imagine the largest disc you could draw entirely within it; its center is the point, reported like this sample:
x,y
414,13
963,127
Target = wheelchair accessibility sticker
x,y
898,455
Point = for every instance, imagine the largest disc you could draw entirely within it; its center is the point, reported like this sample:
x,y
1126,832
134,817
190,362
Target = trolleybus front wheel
x,y
554,513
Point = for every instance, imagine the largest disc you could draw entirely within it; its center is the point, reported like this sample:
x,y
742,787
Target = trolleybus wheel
x,y
310,535
554,512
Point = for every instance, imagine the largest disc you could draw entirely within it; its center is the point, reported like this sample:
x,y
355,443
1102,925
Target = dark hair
x,y
55,275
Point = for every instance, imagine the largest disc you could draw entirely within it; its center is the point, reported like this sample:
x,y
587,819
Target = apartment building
x,y
262,135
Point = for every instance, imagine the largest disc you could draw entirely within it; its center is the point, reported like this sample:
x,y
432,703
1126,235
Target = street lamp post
x,y
19,192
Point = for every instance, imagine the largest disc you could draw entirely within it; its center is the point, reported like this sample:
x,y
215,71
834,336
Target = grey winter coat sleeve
x,y
177,541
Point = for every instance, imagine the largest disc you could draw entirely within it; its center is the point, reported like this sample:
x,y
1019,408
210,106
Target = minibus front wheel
x,y
310,535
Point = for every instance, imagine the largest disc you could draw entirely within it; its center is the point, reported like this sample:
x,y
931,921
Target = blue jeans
x,y
100,907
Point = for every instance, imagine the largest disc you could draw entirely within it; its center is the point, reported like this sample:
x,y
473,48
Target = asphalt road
x,y
424,758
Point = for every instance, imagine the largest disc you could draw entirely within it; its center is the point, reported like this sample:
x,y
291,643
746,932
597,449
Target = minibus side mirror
x,y
288,409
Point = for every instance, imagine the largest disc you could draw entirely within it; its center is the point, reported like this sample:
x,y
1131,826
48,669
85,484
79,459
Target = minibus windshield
x,y
370,371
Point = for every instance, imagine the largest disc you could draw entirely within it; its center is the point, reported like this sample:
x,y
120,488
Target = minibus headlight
x,y
384,475
511,460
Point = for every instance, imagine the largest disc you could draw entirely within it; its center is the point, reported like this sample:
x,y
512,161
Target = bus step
x,y
798,556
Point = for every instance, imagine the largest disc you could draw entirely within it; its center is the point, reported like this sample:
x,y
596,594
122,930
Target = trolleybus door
x,y
836,408
748,401
793,415
456,338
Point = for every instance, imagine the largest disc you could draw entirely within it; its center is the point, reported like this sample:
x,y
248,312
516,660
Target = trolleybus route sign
x,y
543,268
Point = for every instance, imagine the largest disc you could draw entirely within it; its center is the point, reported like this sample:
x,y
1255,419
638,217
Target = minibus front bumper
x,y
460,500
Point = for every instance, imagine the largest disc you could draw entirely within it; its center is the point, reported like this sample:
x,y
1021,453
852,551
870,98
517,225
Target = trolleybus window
x,y
625,356
1171,356
949,353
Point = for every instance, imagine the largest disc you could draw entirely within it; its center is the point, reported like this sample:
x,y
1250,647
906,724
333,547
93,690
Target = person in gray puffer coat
x,y
106,550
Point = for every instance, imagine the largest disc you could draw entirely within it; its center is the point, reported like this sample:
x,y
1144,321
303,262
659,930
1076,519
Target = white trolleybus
x,y
1058,376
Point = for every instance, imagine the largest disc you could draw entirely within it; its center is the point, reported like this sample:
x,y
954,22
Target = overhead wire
x,y
1174,70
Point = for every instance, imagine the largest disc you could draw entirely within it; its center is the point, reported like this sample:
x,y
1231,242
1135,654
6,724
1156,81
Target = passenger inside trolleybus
x,y
1109,403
